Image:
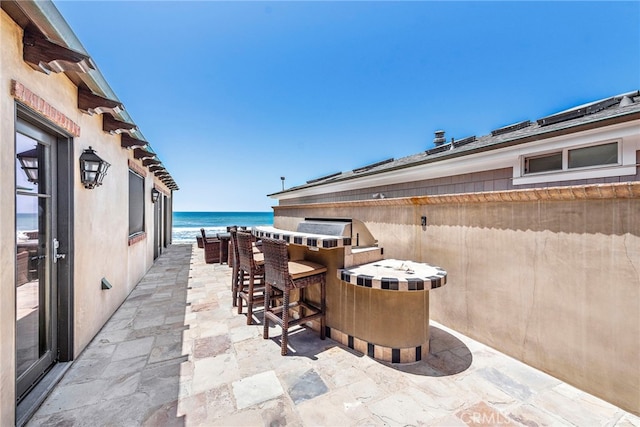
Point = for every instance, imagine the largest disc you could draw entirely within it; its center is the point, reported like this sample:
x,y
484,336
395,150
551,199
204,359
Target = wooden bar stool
x,y
285,275
252,265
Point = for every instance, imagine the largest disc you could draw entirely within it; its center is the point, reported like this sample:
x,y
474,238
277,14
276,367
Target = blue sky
x,y
234,95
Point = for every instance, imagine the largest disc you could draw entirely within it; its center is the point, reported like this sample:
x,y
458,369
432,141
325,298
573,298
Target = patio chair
x,y
289,275
224,247
211,248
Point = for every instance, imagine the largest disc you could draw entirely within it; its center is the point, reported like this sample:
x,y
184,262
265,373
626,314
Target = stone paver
x,y
177,354
259,388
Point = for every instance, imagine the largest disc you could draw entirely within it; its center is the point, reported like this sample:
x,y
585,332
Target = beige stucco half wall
x,y
552,279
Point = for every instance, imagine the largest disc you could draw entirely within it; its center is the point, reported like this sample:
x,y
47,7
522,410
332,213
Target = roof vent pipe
x,y
439,139
626,100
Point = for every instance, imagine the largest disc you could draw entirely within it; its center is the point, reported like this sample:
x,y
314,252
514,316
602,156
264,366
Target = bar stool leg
x,y
234,284
250,299
285,322
267,307
238,298
323,307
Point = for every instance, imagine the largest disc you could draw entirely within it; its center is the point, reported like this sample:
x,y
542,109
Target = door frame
x,y
63,217
157,228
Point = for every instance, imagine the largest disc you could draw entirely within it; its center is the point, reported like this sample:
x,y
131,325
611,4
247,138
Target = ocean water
x,y
26,221
187,225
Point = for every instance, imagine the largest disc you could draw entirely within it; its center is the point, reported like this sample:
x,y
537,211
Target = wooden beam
x,y
44,55
139,153
90,103
127,141
111,125
148,162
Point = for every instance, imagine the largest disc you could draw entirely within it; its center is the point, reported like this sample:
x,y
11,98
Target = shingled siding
x,y
492,180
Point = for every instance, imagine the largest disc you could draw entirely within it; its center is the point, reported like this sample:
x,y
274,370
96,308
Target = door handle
x,y
56,255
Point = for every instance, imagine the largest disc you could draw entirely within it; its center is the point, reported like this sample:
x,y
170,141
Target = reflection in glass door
x,y
36,290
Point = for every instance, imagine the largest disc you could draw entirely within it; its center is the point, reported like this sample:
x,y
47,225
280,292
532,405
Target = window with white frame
x,y
567,159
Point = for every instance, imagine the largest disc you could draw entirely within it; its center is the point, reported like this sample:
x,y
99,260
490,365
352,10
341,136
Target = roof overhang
x,y
54,47
476,160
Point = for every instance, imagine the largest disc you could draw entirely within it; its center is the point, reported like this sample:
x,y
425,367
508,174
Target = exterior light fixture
x,y
29,164
155,194
92,168
282,179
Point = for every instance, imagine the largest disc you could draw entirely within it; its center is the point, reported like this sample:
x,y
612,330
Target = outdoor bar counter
x,y
379,307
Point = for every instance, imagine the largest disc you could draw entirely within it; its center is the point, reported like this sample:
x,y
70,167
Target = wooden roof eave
x,y
156,168
128,141
111,125
148,162
90,103
46,56
49,44
140,153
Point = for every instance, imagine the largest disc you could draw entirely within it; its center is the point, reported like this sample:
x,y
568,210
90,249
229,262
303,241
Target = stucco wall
x,y
101,235
100,225
555,284
10,66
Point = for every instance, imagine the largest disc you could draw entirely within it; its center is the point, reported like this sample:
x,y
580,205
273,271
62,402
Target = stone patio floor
x,y
176,354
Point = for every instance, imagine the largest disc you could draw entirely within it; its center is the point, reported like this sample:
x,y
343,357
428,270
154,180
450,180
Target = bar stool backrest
x,y
276,259
245,251
234,242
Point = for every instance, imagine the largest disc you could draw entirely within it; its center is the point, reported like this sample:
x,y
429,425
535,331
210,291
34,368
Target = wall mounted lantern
x,y
155,194
92,168
29,164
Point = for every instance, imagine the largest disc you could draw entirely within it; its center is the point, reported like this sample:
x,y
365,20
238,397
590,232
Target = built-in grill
x,y
328,227
351,228
323,233
325,236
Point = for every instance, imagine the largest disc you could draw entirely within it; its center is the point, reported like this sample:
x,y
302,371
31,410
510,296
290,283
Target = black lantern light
x,y
29,164
154,195
92,168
